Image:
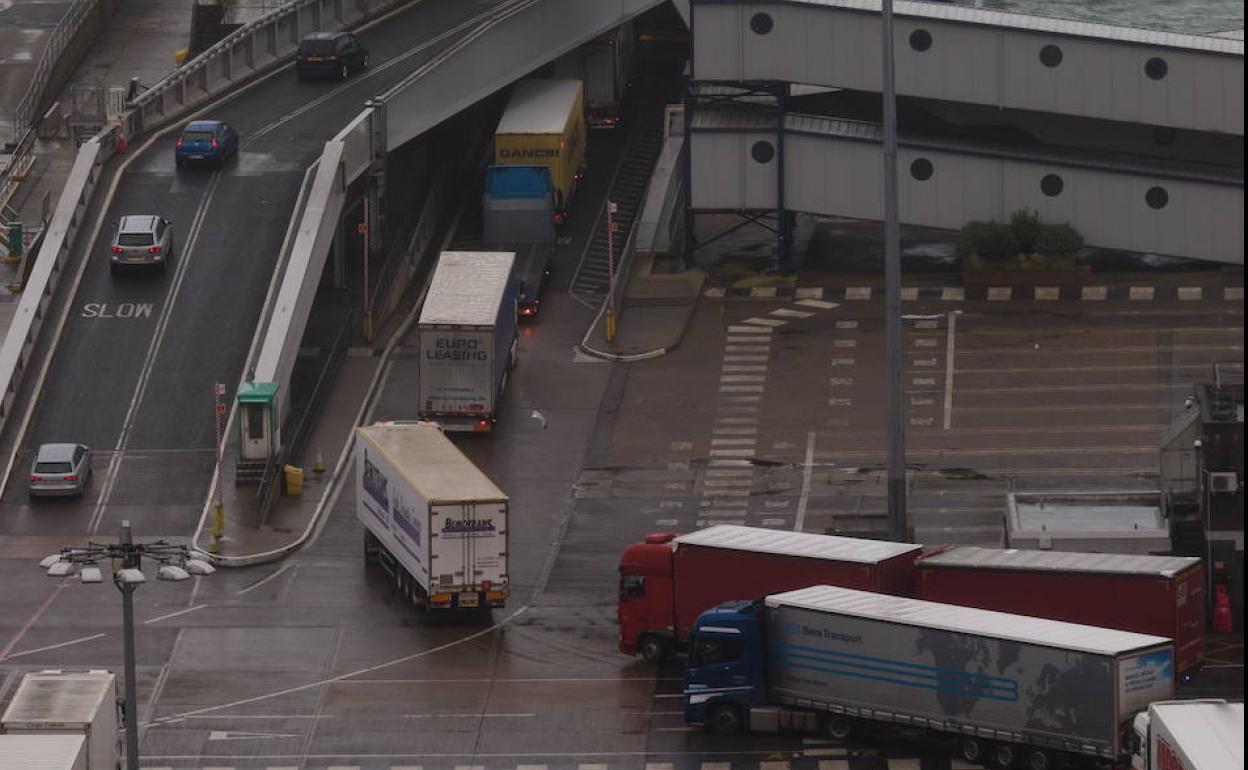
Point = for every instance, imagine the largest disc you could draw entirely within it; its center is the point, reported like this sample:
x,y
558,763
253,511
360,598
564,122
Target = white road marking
x,y
740,359
1000,293
265,579
835,381
740,388
953,294
226,735
762,292
30,622
726,473
916,401
1141,293
736,420
749,349
926,323
1093,293
774,764
733,431
844,343
733,441
858,293
37,650
159,618
665,523
1048,293
804,496
842,362
773,522
750,329
925,342
924,362
909,293
740,368
732,453
785,312
840,402
468,715
847,324
817,303
949,368
1233,294
768,322
1188,293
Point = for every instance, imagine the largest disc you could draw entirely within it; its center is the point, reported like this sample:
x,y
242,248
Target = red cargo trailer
x,y
1159,595
668,580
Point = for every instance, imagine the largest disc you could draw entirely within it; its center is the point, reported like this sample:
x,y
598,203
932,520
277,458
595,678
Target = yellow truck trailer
x,y
544,124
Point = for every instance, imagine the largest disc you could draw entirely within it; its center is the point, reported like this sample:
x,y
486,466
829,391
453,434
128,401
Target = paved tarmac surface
x,y
767,412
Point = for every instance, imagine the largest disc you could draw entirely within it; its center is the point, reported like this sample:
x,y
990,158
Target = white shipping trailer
x,y
43,752
1190,735
80,702
468,341
434,521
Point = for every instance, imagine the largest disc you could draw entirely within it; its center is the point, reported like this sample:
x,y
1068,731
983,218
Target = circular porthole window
x,y
1050,56
1051,185
1156,197
1165,135
921,169
761,23
1156,68
920,40
762,152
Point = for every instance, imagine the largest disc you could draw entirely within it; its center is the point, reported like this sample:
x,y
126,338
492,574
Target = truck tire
x,y
725,719
838,727
971,749
1037,759
1004,755
651,648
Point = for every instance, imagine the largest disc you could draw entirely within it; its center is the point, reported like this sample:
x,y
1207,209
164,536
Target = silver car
x,y
60,470
141,240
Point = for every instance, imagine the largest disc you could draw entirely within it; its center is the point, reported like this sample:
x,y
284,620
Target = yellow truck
x,y
544,124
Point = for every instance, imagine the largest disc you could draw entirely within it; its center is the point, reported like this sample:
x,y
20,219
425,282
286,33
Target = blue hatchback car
x,y
206,141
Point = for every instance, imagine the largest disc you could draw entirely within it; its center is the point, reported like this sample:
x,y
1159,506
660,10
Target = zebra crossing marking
x,y
1048,293
858,293
1188,293
812,299
1000,293
1093,293
771,323
1141,293
785,312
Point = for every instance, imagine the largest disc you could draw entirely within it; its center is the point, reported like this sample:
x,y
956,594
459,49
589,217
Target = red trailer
x,y
668,580
1159,595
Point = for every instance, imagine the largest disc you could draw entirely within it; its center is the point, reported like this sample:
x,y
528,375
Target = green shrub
x,y
997,242
1027,229
969,237
1059,241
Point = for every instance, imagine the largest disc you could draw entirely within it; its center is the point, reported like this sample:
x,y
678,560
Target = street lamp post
x,y
126,557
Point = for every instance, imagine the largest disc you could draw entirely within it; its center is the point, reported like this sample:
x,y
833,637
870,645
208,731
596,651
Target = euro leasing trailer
x,y
468,340
433,520
1189,735
544,123
668,580
831,659
43,752
1159,595
69,702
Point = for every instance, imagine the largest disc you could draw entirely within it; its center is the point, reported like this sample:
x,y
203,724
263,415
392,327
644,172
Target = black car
x,y
337,54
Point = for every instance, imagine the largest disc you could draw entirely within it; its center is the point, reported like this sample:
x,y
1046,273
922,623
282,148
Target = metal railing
x,y
62,34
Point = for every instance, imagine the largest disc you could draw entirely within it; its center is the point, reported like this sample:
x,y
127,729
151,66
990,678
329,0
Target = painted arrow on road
x,y
223,735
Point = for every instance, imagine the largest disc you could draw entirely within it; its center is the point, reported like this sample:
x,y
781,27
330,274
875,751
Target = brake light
x,y
214,143
36,478
153,249
181,141
72,477
117,249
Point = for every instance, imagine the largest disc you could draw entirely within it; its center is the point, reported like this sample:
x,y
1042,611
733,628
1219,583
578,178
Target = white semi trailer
x,y
69,702
1189,735
433,520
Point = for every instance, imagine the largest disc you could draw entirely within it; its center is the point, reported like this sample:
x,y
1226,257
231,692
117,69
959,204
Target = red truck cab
x,y
646,609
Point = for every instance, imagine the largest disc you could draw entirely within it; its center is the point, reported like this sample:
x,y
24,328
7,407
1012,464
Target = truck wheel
x,y
1037,759
652,649
1004,755
725,720
971,749
838,727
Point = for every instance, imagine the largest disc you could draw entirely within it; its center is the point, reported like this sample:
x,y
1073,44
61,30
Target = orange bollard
x,y
121,143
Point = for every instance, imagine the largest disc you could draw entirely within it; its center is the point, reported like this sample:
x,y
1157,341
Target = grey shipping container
x,y
929,664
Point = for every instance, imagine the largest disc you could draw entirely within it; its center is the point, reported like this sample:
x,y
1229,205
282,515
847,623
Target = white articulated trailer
x,y
69,702
1189,735
433,520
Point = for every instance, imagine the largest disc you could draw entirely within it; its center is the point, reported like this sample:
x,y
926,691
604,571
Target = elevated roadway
x,y
131,373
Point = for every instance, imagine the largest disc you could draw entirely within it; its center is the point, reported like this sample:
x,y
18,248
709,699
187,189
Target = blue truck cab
x,y
726,674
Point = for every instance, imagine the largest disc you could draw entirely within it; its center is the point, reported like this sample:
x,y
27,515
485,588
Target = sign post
x,y
218,509
611,211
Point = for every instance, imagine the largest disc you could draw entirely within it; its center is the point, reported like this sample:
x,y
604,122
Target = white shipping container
x,y
77,702
43,752
437,514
